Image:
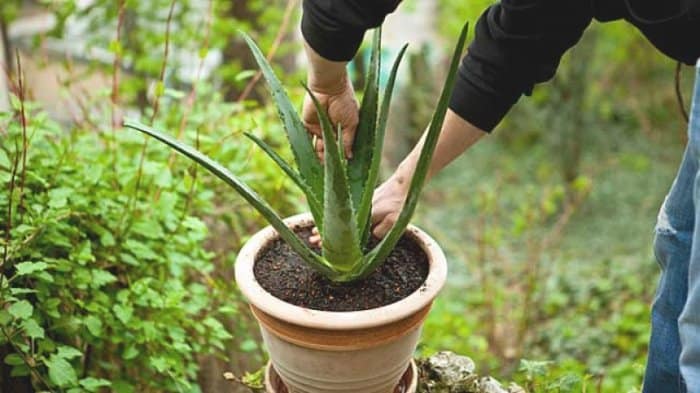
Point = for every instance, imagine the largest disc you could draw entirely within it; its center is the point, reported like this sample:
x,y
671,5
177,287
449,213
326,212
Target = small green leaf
x,y
32,329
25,268
94,325
254,380
159,363
5,317
13,359
60,371
102,277
130,353
107,239
5,160
67,352
248,345
93,384
21,310
123,312
245,74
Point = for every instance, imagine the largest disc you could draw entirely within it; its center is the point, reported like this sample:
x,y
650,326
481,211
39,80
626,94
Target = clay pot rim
x,y
333,320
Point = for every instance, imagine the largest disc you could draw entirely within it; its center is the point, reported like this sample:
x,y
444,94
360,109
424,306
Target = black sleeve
x,y
517,43
335,28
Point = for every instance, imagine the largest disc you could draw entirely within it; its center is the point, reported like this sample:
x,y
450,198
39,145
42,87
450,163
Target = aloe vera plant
x,y
338,191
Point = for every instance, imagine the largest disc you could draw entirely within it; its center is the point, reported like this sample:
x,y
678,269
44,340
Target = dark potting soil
x,y
286,276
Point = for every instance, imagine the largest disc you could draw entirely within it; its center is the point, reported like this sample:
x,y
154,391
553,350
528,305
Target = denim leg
x,y
689,322
672,246
673,365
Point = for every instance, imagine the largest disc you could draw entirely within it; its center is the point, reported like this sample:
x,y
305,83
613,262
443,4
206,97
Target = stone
x,y
447,372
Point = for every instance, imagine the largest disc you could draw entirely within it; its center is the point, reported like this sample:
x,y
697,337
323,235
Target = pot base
x,y
407,384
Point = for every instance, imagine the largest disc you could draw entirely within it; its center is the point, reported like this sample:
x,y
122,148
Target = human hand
x,y
340,103
387,203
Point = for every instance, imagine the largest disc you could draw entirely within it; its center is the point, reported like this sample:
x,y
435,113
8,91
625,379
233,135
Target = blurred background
x,y
117,254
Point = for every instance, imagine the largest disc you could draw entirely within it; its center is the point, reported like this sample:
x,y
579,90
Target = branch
x,y
291,5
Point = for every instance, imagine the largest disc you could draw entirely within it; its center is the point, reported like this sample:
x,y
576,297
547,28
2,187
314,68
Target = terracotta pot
x,y
341,352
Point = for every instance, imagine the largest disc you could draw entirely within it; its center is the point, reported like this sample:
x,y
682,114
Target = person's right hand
x,y
387,203
341,105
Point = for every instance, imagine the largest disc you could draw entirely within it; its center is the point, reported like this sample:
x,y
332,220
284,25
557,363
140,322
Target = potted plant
x,y
347,317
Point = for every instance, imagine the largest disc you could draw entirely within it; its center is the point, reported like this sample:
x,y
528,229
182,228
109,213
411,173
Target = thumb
x,y
382,228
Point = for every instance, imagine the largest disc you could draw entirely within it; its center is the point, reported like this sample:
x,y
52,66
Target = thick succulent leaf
x,y
313,259
375,257
309,166
314,204
365,209
340,242
358,166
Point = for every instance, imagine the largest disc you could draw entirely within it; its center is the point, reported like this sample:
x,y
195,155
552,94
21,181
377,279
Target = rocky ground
x,y
447,372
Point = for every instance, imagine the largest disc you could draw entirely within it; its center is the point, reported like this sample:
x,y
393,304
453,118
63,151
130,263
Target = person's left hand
x,y
341,105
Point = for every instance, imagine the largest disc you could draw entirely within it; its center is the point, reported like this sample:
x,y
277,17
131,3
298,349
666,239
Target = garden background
x,y
117,255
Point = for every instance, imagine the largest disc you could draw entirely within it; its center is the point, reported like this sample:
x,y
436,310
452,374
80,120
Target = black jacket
x,y
517,43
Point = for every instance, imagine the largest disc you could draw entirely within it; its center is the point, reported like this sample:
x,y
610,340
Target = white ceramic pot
x,y
340,352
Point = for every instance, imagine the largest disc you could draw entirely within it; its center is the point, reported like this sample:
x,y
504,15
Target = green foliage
x,y
347,186
105,282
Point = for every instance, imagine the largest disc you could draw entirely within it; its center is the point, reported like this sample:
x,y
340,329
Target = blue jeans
x,y
673,365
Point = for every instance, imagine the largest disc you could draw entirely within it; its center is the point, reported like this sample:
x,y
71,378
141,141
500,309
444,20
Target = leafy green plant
x,y
338,191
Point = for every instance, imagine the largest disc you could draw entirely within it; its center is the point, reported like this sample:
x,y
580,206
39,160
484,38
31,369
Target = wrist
x,y
404,174
330,83
325,76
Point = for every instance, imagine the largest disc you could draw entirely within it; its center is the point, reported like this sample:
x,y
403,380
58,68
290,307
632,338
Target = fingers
x,y
319,148
382,228
315,238
348,139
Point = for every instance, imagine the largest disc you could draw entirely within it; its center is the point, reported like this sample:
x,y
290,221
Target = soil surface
x,y
286,276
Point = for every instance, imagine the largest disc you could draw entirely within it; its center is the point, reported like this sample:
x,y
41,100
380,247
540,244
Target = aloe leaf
x,y
384,248
358,166
314,204
341,246
363,213
313,259
309,166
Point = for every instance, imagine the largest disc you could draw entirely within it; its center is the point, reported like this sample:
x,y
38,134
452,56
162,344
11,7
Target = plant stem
x,y
116,67
192,96
289,10
156,105
26,361
23,121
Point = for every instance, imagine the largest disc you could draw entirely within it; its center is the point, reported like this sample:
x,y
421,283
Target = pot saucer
x,y
407,384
